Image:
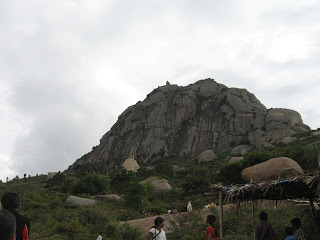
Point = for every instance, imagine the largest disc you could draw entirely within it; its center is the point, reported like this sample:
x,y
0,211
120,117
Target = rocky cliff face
x,y
188,120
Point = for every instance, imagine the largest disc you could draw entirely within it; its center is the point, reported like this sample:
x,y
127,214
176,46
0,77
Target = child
x,y
296,225
290,235
211,232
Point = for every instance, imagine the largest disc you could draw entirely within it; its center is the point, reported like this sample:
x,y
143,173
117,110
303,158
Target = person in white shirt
x,y
156,232
189,206
100,236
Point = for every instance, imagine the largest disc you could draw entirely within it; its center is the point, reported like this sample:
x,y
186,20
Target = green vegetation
x,y
52,218
303,152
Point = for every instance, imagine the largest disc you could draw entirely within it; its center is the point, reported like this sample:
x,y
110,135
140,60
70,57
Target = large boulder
x,y
160,185
108,198
207,156
81,201
51,174
235,159
241,149
131,164
288,140
275,168
316,133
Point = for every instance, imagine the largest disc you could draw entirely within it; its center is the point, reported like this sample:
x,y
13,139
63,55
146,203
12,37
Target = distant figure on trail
x,y
100,236
156,232
264,231
290,235
7,225
11,202
296,225
211,232
189,206
173,211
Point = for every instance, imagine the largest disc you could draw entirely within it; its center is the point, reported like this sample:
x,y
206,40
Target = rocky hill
x,y
186,121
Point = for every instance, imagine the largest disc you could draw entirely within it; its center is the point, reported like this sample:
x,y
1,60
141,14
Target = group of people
x,y
262,232
265,231
15,226
12,224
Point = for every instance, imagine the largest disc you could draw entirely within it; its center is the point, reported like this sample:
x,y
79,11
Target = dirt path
x,y
144,224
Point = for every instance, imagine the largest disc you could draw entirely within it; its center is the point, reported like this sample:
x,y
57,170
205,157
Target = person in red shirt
x,y
211,232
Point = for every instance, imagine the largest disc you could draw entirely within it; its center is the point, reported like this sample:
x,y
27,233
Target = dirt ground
x,y
144,224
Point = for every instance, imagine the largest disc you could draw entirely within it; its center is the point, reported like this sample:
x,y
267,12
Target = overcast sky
x,y
68,69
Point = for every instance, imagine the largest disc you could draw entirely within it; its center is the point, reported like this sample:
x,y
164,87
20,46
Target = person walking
x,y
156,232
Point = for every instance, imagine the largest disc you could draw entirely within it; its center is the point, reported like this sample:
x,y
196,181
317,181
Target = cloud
x,y
70,68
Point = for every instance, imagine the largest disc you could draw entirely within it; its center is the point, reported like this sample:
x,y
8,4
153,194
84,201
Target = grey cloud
x,y
72,68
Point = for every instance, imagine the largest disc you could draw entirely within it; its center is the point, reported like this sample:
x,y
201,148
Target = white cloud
x,y
69,68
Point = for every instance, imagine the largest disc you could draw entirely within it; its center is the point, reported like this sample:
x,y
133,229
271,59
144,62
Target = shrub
x,y
129,233
91,184
136,196
121,179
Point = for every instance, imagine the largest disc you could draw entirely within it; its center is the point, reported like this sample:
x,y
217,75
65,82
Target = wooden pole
x,y
253,222
221,214
313,212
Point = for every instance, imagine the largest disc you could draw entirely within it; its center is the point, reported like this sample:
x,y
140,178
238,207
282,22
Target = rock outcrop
x,y
288,140
281,167
207,156
186,121
51,174
81,201
108,198
160,185
235,159
241,150
131,164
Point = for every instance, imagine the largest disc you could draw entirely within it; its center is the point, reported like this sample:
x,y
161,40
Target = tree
x,y
92,184
121,179
136,196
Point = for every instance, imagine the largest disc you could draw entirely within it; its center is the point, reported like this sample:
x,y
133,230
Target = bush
x,y
129,233
120,180
189,227
92,184
136,196
112,231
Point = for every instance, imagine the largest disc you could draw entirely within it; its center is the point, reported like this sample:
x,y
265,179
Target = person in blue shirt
x,y
290,235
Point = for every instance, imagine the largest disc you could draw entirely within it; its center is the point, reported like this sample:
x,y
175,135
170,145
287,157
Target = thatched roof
x,y
304,186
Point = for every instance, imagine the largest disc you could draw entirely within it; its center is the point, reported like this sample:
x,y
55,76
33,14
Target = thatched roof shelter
x,y
304,186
